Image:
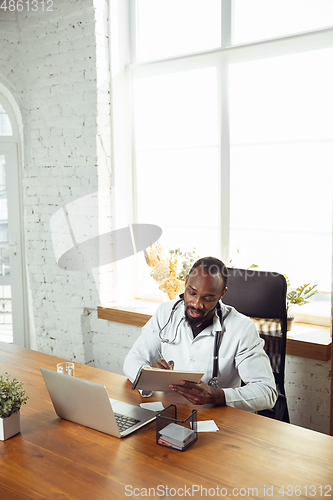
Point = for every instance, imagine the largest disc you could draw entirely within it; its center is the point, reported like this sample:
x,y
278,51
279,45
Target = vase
x,y
10,426
290,320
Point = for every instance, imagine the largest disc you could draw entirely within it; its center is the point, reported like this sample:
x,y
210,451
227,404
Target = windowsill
x,y
309,341
304,340
312,319
131,312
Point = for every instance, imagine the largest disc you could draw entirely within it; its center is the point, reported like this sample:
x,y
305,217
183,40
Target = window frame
x,y
10,147
221,58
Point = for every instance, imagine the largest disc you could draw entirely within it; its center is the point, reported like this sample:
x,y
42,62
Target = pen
x,y
162,357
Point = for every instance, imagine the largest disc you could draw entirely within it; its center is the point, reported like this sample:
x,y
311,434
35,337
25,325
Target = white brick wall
x,y
111,342
307,385
56,66
49,61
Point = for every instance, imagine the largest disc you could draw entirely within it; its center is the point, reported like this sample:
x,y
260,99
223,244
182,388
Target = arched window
x,y
12,324
5,123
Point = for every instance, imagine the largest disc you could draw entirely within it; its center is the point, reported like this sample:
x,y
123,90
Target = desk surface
x,y
250,456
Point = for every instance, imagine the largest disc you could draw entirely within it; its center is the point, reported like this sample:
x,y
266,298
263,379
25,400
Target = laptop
x,y
87,403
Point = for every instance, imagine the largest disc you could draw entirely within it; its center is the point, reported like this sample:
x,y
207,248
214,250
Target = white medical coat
x,y
241,354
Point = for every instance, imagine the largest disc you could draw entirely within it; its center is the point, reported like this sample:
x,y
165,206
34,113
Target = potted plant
x,y
12,397
299,296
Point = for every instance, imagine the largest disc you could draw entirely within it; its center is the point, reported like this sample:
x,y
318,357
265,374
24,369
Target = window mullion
x,y
226,23
223,99
133,11
224,128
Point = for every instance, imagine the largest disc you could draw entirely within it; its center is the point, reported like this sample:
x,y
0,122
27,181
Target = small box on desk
x,y
174,433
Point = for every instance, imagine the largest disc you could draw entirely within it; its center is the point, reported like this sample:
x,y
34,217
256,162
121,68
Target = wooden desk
x,y
54,458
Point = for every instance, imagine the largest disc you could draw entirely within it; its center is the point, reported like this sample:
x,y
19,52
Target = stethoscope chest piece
x,y
213,382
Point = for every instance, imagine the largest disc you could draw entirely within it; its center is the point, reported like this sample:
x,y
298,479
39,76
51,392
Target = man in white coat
x,y
199,333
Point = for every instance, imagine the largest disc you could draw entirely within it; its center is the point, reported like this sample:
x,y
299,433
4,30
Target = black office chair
x,y
261,295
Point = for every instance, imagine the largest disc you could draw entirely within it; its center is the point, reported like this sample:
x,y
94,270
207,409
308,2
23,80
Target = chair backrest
x,y
262,295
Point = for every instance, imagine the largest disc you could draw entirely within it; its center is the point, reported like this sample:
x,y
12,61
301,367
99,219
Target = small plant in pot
x,y
12,397
299,297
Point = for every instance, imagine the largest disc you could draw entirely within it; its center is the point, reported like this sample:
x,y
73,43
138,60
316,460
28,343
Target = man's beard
x,y
194,322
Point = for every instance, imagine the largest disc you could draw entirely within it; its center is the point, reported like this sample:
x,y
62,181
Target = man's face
x,y
202,293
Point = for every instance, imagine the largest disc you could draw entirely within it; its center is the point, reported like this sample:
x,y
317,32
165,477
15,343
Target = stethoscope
x,y
218,337
176,304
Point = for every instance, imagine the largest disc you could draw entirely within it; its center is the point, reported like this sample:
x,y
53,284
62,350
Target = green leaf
x,y
12,397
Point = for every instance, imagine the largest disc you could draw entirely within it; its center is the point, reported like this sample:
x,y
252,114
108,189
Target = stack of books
x,y
176,436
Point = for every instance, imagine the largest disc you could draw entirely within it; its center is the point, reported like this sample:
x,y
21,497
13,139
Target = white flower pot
x,y
10,426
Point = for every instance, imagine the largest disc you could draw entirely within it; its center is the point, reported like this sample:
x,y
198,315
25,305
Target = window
x,y
12,319
281,164
260,19
175,27
233,136
5,125
176,136
6,326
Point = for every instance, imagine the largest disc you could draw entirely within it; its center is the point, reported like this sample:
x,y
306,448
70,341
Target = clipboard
x,y
158,379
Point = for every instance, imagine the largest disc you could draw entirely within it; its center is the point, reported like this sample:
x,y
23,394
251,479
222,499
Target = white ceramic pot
x,y
10,426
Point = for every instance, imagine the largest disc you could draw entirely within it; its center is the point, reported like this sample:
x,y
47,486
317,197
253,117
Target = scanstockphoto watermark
x,y
227,272
195,490
26,5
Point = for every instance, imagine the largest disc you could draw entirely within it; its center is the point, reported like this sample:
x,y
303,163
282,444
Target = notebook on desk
x,y
87,403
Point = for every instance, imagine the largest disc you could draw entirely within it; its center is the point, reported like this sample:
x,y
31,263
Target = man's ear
x,y
223,293
186,280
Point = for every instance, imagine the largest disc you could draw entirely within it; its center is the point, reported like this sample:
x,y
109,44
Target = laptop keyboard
x,y
124,422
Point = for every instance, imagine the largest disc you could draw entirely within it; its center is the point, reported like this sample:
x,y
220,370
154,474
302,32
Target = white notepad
x,y
158,379
177,432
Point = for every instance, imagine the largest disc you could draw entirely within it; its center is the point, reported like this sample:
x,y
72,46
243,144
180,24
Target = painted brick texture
x,y
49,62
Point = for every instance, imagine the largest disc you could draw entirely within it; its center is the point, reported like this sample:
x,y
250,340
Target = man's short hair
x,y
213,266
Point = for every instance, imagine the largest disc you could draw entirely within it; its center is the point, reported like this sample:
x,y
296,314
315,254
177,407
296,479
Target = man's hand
x,y
162,363
200,394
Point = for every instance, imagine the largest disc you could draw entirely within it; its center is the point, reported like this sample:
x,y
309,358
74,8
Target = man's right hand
x,y
161,363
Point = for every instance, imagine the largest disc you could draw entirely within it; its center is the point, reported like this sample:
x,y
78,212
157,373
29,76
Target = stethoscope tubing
x,y
218,334
167,341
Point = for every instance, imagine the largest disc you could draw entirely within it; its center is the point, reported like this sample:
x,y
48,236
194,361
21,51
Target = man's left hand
x,y
200,394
